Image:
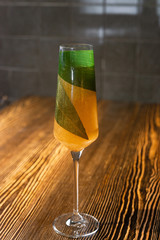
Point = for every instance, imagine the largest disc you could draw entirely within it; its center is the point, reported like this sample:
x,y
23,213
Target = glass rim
x,y
75,46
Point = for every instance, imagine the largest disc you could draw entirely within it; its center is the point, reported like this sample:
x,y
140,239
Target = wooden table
x,y
119,173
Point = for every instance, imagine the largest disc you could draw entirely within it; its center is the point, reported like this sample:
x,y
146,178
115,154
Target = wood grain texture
x,y
119,173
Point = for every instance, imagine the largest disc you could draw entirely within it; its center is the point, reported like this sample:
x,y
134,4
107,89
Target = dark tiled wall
x,y
125,35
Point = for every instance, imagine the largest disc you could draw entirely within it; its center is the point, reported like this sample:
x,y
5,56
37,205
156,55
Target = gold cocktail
x,y
76,125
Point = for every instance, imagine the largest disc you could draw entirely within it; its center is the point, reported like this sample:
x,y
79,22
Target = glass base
x,y
86,226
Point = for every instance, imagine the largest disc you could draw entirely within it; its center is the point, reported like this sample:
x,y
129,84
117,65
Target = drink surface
x,y
76,124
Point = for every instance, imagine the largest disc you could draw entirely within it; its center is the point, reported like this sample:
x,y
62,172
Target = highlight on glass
x,y
76,125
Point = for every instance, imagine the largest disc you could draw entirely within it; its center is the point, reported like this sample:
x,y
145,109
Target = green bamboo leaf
x,y
77,68
66,114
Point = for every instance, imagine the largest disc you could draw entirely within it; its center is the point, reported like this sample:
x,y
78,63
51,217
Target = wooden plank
x,y
119,173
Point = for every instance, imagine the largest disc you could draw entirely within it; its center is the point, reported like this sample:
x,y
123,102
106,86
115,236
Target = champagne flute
x,y
76,125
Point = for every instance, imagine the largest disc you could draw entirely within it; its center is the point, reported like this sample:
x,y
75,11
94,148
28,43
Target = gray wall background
x,y
125,35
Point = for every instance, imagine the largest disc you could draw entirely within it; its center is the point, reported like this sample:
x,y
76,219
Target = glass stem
x,y
76,156
76,187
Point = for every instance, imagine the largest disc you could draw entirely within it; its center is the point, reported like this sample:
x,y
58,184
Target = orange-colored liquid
x,y
85,103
